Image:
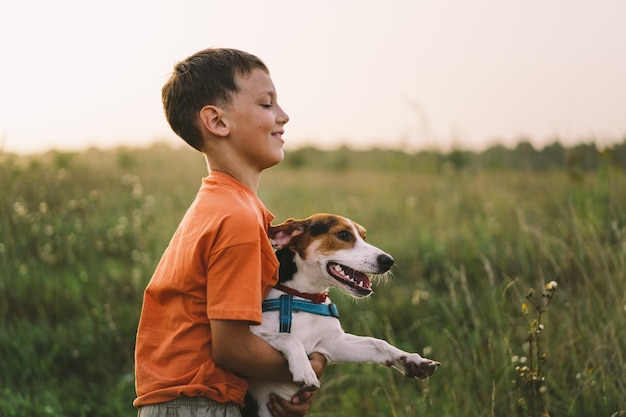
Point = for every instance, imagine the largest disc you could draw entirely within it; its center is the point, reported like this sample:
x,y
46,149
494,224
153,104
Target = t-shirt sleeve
x,y
234,278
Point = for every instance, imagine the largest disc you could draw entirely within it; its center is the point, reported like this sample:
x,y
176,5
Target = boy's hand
x,y
300,403
297,407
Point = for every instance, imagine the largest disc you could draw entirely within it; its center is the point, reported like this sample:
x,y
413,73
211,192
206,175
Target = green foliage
x,y
80,235
530,381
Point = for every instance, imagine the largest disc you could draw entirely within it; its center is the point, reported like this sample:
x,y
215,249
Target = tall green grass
x,y
80,235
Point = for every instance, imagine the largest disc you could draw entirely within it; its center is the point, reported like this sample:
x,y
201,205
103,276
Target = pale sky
x,y
413,73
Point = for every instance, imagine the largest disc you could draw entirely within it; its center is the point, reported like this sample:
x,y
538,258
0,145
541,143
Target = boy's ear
x,y
211,118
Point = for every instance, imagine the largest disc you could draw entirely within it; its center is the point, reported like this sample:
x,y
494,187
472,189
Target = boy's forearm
x,y
318,362
237,349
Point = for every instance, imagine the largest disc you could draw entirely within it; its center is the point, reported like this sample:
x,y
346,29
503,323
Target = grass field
x,y
80,235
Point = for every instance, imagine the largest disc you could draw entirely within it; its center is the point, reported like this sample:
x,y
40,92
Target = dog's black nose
x,y
385,261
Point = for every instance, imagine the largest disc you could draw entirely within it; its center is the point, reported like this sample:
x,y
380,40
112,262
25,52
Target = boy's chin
x,y
280,156
275,161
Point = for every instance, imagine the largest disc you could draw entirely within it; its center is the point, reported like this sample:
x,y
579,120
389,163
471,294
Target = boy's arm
x,y
239,350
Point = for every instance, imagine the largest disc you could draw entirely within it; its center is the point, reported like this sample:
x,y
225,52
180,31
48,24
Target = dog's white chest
x,y
309,328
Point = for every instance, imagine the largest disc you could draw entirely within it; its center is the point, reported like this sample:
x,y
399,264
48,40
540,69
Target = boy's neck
x,y
248,178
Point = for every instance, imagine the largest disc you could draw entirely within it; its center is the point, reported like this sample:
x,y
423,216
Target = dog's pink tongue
x,y
362,280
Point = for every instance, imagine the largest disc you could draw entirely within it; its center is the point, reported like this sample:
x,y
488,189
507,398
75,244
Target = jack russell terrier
x,y
315,254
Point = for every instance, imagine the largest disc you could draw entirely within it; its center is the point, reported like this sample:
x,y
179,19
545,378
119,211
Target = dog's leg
x,y
295,354
351,348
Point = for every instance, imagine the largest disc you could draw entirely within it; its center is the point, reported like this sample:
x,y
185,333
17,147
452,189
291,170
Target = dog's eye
x,y
345,235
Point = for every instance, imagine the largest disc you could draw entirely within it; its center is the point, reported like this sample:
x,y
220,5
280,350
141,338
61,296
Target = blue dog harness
x,y
286,305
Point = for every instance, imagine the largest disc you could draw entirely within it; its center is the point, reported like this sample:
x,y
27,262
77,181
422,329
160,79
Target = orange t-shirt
x,y
218,265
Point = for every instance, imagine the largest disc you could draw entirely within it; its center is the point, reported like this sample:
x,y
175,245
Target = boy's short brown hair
x,y
206,77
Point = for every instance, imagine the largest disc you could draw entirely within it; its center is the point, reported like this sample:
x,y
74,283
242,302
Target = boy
x,y
194,345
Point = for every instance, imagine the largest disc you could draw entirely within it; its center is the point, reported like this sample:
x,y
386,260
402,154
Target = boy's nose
x,y
282,117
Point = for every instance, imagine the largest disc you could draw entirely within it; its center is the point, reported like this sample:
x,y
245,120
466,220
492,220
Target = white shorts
x,y
190,407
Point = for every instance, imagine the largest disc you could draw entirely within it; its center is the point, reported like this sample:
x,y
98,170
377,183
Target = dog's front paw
x,y
304,376
417,367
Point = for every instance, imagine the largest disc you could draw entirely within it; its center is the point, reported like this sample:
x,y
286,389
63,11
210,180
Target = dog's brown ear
x,y
282,234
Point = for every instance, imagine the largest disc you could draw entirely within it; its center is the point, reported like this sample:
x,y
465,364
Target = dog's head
x,y
326,250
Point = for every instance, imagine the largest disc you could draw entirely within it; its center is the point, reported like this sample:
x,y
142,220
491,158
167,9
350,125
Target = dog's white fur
x,y
314,243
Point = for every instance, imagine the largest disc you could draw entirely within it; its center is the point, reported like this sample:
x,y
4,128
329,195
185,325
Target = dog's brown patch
x,y
331,233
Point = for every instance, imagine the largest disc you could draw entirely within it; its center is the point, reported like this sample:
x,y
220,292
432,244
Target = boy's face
x,y
256,121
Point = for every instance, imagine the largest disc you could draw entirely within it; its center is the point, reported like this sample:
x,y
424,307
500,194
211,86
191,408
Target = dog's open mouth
x,y
356,281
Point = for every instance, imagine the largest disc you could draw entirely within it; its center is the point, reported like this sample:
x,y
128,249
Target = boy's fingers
x,y
303,397
284,408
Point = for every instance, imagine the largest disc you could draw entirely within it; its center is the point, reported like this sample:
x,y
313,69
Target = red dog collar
x,y
316,298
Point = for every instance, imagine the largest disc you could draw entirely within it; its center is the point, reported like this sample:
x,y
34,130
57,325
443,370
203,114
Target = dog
x,y
321,252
